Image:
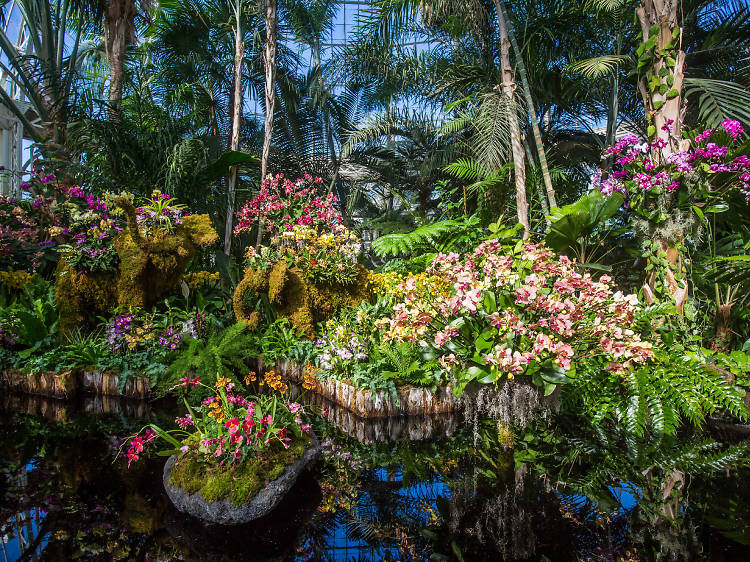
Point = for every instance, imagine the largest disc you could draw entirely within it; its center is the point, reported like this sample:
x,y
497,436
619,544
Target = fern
x,y
658,396
221,355
426,236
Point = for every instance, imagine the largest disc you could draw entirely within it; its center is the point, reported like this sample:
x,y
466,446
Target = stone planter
x,y
411,401
107,383
224,512
47,383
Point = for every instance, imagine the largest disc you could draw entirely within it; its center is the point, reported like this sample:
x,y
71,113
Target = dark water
x,y
455,494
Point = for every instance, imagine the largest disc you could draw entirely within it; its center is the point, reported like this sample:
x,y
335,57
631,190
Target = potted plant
x,y
232,458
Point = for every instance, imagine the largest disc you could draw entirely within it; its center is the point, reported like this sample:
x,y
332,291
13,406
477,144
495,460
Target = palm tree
x,y
44,76
119,34
502,13
508,86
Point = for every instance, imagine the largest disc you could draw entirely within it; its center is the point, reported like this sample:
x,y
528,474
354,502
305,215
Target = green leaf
x,y
222,165
717,208
651,131
490,304
573,222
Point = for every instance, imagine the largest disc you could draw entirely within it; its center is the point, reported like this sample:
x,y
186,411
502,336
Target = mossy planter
x,y
223,511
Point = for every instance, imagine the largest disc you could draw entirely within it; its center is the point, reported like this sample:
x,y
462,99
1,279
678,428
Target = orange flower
x,y
250,377
222,382
308,383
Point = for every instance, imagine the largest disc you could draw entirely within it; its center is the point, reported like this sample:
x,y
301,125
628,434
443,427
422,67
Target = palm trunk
x,y
661,89
119,32
234,142
508,87
269,62
540,192
500,6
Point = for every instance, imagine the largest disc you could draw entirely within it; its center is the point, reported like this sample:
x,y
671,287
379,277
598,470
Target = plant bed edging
x,y
65,385
107,383
224,512
411,401
46,383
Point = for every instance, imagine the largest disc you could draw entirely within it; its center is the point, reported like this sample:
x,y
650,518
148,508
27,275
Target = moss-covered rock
x,y
239,482
295,297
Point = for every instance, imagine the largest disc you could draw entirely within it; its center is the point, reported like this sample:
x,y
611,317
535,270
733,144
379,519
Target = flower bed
x,y
410,401
232,457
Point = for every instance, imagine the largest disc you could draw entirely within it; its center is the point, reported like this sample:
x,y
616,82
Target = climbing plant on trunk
x,y
269,64
661,65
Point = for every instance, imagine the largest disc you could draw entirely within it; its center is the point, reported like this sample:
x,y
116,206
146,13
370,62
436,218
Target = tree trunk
x,y
500,5
661,85
660,82
269,63
119,32
234,139
508,87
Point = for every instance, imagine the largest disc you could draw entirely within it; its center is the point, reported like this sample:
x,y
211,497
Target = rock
x,y
224,512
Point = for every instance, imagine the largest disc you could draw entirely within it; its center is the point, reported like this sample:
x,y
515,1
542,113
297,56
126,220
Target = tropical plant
x,y
220,355
571,226
45,74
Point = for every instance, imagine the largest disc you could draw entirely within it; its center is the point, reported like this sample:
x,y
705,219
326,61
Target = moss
x,y
152,267
246,295
277,282
293,302
240,482
328,300
199,229
81,297
294,297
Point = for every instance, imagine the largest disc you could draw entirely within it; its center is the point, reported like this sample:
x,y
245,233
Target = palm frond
x,y
718,100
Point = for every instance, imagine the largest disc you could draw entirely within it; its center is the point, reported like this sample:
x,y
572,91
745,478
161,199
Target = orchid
x,y
524,313
227,427
690,171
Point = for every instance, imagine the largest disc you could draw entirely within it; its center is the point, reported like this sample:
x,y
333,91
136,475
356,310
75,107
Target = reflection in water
x,y
563,494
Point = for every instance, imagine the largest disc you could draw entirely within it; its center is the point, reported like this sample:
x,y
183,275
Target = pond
x,y
454,494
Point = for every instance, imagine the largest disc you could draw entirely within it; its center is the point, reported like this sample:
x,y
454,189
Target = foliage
x,y
572,224
281,340
350,348
29,324
220,355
